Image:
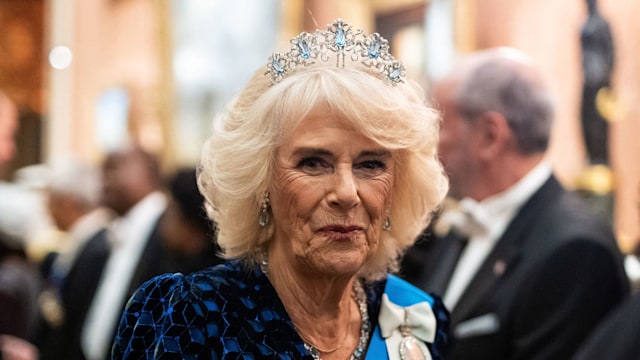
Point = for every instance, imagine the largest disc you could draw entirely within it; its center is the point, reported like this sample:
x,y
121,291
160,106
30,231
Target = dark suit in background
x,y
551,277
152,262
77,291
618,337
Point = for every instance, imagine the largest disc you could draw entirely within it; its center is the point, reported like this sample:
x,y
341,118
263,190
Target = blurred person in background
x,y
188,232
133,189
19,281
73,197
538,270
74,191
8,129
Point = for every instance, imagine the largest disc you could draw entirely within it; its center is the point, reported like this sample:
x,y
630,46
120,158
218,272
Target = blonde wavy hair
x,y
237,165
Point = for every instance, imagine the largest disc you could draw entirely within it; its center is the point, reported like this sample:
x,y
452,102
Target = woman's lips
x,y
341,228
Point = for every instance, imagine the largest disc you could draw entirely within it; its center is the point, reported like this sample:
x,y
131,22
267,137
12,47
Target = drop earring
x,y
264,213
387,224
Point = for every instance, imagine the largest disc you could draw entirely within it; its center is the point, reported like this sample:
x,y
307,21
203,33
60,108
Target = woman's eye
x,y
309,162
371,167
313,165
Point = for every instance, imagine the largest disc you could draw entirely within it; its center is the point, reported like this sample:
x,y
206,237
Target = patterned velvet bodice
x,y
224,312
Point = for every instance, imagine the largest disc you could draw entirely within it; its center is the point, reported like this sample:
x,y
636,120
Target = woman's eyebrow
x,y
308,151
313,151
376,153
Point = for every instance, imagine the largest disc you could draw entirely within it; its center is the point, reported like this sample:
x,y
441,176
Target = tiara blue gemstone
x,y
374,49
303,49
395,73
341,38
277,66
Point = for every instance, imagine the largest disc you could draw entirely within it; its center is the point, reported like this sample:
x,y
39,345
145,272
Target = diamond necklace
x,y
365,328
309,346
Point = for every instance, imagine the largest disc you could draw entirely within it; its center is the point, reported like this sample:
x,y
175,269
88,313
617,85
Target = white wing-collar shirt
x,y
493,214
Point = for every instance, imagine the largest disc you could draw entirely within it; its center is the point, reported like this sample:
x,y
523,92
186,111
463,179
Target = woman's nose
x,y
345,190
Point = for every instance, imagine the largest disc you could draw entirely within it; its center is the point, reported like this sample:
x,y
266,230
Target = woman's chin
x,y
342,264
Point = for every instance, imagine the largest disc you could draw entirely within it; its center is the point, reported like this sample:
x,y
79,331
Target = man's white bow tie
x,y
466,218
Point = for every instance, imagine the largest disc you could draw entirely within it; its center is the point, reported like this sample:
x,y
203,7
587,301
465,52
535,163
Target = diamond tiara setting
x,y
341,39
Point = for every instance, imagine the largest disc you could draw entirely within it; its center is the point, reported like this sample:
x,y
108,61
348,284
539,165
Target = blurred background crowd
x,y
104,105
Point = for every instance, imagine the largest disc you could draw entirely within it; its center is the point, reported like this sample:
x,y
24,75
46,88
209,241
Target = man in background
x,y
132,188
73,197
537,270
18,280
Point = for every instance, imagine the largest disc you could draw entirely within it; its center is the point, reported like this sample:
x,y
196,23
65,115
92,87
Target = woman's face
x,y
331,196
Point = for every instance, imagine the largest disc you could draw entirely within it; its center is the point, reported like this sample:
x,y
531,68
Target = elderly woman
x,y
319,176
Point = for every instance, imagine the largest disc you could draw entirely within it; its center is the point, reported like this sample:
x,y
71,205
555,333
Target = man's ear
x,y
493,134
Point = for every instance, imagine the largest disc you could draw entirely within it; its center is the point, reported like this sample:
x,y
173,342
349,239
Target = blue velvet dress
x,y
224,312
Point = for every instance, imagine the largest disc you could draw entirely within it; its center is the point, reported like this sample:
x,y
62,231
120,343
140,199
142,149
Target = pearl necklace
x,y
365,328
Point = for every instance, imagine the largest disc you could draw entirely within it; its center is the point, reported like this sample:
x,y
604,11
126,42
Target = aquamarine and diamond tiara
x,y
339,38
